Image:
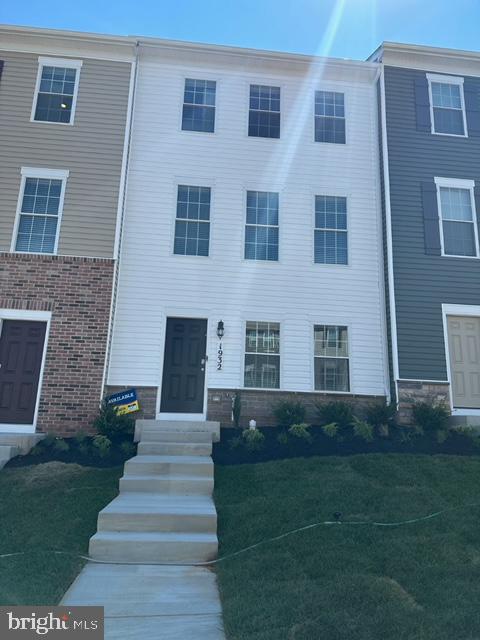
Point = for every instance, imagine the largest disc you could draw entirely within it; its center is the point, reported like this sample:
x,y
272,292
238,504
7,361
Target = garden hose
x,y
337,521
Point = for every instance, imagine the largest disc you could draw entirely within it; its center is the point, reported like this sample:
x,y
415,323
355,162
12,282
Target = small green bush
x,y
128,448
237,409
363,430
382,416
60,446
288,413
336,411
253,439
330,430
109,423
282,438
101,446
235,443
430,416
301,431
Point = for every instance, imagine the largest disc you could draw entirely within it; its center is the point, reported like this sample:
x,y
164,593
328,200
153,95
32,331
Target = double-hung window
x,y
264,113
331,230
39,210
331,358
447,105
329,117
192,225
458,224
262,355
261,231
199,105
56,92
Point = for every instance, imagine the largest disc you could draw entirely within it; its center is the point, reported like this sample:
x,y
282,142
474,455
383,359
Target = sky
x,y
338,28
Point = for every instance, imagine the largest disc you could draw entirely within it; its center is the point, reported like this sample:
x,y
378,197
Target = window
x,y
192,226
199,105
331,230
56,93
329,117
40,208
458,227
264,114
261,231
262,355
447,109
331,358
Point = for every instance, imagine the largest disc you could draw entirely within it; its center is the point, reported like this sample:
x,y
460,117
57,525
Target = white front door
x,y
464,348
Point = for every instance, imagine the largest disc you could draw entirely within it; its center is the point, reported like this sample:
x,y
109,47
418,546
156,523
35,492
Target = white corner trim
x,y
33,172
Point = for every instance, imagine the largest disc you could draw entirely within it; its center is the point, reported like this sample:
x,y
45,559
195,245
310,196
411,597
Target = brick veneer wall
x,y
258,404
410,392
78,293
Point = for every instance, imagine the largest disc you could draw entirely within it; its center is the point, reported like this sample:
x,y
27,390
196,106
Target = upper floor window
x,y
331,358
458,226
261,231
262,355
56,91
331,230
329,117
447,106
40,208
264,113
192,225
199,105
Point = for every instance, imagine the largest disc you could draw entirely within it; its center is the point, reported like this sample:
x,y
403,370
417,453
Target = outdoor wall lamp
x,y
220,329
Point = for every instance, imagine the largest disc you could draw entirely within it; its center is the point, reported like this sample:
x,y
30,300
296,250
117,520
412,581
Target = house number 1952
x,y
220,357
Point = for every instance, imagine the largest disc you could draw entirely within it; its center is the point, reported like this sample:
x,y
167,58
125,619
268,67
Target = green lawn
x,y
44,507
345,582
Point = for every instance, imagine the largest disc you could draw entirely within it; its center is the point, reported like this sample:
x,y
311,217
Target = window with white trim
x,y
57,88
261,231
331,358
199,105
458,225
447,105
40,209
329,117
264,113
192,225
262,355
331,230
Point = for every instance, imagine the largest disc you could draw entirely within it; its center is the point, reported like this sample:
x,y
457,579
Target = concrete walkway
x,y
164,514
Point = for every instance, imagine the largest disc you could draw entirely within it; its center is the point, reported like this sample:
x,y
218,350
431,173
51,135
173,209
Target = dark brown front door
x,y
21,351
184,366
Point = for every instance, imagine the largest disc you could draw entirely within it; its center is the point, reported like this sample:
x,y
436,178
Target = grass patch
x,y
45,507
413,582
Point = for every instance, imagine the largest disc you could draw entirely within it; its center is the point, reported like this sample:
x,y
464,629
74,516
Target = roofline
x,y
66,34
399,47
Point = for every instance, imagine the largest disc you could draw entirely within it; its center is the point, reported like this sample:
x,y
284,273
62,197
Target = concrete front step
x,y
153,512
159,435
22,441
148,426
7,452
146,465
187,485
175,448
158,547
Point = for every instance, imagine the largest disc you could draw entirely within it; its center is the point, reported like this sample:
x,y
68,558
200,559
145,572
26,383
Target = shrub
x,y
382,416
431,416
237,409
253,439
288,413
363,430
60,446
301,431
109,423
101,446
330,430
235,443
336,411
128,448
282,438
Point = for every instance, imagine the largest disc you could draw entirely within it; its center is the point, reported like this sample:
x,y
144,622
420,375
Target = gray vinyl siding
x,y
423,282
91,150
